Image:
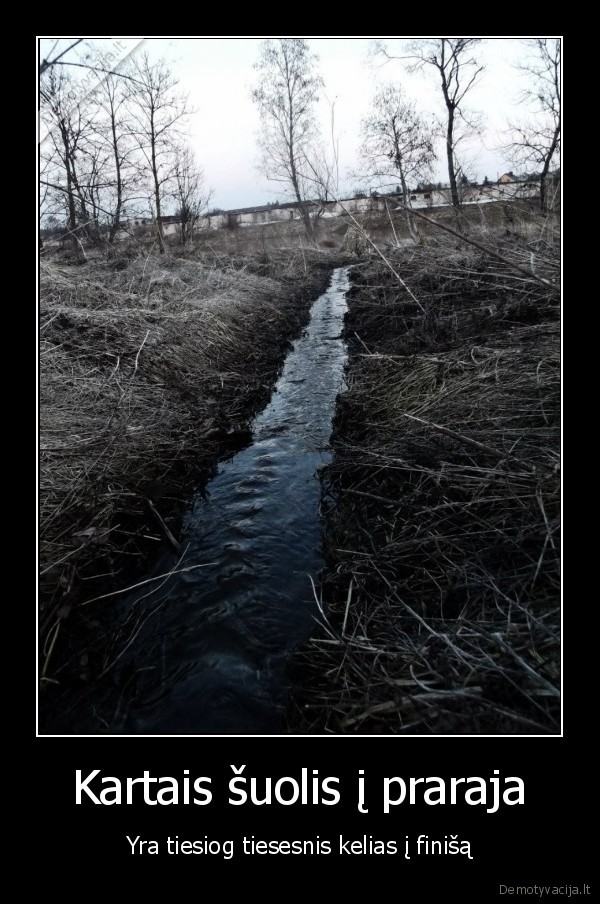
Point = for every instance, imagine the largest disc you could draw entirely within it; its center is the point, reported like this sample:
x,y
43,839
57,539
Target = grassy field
x,y
151,367
441,602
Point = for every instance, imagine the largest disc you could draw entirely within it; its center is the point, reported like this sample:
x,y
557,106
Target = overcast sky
x,y
218,75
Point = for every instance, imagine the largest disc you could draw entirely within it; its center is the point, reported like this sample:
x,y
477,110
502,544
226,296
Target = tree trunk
x,y
117,217
545,170
309,226
159,225
71,197
85,217
70,193
410,220
450,107
450,155
543,201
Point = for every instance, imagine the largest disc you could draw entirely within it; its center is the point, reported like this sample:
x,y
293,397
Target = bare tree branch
x,y
190,193
45,64
286,95
535,143
453,60
397,143
159,112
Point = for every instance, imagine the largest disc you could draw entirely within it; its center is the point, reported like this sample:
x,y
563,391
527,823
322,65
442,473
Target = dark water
x,y
209,657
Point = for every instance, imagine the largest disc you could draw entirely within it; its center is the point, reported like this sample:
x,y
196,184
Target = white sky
x,y
218,75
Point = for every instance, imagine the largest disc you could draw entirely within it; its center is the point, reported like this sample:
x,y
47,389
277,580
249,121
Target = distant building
x,y
426,195
171,220
135,221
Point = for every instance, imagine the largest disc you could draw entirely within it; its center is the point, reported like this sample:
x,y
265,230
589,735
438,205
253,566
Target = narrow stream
x,y
212,644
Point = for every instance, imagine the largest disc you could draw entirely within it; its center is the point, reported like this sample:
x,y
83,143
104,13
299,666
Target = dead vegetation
x,y
150,367
441,602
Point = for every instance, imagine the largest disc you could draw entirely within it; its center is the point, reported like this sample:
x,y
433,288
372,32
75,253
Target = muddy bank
x,y
442,593
151,368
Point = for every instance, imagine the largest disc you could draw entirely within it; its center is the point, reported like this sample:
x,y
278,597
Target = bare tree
x,y
113,136
458,70
56,54
397,143
93,180
190,193
323,167
286,95
84,155
62,149
116,145
52,202
158,112
536,142
82,54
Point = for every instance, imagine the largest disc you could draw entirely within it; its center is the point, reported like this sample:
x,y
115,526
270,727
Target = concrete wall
x,y
480,194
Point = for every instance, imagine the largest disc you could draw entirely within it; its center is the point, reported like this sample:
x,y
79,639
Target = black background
x,y
544,842
79,850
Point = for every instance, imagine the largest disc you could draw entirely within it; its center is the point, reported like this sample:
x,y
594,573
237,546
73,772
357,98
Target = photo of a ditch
x,y
300,465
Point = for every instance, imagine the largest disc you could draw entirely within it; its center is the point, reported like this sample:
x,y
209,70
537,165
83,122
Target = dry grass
x,y
442,597
148,366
